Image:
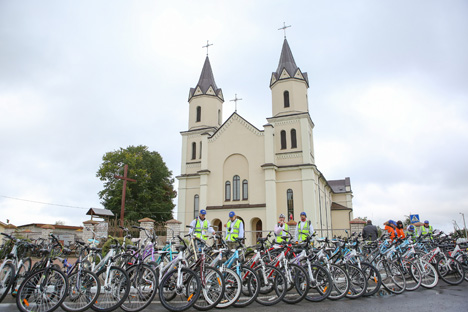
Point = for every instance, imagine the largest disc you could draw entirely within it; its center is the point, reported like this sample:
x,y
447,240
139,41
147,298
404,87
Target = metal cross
x,y
207,46
124,189
284,29
235,101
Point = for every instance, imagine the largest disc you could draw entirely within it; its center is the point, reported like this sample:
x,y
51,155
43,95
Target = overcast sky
x,y
388,94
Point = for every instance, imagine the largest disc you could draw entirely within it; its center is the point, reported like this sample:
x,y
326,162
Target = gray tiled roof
x,y
286,61
100,212
339,186
206,80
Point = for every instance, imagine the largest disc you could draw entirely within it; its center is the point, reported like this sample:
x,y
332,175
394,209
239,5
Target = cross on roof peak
x,y
284,29
235,101
207,46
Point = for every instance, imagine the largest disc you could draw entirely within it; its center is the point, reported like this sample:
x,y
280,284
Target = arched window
x,y
196,205
245,190
283,139
200,150
286,98
290,203
219,117
194,150
227,191
293,138
236,188
198,113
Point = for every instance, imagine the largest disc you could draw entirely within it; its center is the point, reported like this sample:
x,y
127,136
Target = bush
x,y
106,246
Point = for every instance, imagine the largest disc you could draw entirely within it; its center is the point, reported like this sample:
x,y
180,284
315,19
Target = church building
x,y
258,173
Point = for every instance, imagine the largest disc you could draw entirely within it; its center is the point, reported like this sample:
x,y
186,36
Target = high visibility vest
x,y
200,229
234,233
426,230
279,239
304,232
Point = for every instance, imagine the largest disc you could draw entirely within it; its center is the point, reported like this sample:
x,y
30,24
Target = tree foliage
x,y
152,193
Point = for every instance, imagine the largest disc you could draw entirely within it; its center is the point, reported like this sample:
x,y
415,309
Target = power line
x,y
38,202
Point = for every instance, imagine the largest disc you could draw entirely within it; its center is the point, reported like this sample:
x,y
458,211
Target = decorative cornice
x,y
289,155
236,206
193,164
242,121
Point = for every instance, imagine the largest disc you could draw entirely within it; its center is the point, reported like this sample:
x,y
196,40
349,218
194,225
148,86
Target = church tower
x,y
206,101
288,85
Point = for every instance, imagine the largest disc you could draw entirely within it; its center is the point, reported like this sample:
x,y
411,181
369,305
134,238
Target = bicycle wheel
x,y
463,259
373,278
179,291
340,280
430,278
393,278
297,277
232,288
83,289
320,283
273,285
212,289
7,277
143,287
413,275
115,286
357,282
450,270
42,290
250,286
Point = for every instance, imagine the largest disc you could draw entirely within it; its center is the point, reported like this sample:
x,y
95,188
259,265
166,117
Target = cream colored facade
x,y
258,173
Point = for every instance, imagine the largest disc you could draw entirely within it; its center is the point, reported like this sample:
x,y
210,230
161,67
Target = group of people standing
x,y
396,230
201,227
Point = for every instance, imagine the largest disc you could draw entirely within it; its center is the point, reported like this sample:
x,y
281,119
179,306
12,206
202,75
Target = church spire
x,y
206,84
287,67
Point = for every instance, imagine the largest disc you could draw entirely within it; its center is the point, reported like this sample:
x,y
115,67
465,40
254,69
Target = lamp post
x,y
464,224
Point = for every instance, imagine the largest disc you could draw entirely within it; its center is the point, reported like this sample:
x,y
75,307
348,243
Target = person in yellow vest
x,y
426,229
303,228
280,227
201,226
235,228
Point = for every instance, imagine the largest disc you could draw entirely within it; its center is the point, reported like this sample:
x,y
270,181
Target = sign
x,y
414,218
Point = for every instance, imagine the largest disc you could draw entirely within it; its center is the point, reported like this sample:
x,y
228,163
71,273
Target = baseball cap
x,y
426,222
282,216
232,214
411,227
203,212
303,214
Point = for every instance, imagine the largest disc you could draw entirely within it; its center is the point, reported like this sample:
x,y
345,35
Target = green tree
x,y
152,193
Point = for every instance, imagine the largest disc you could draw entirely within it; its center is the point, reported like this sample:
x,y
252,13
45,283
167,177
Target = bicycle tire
x,y
51,292
430,277
320,283
188,292
7,278
413,275
109,299
232,288
212,289
357,282
374,280
340,280
300,282
463,259
393,279
274,288
83,289
20,275
143,287
450,270
250,287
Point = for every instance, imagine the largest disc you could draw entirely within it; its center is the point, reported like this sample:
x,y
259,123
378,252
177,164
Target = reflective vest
x,y
279,238
426,230
234,233
200,230
304,232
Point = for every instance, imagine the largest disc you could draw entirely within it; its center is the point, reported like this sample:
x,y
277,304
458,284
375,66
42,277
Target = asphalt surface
x,y
443,297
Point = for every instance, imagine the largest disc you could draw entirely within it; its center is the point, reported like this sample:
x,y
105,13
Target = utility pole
x,y
464,224
124,189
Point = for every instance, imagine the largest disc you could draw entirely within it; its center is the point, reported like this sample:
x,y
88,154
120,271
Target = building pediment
x,y
235,119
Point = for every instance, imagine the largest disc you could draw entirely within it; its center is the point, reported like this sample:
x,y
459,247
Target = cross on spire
x,y
207,46
235,101
284,29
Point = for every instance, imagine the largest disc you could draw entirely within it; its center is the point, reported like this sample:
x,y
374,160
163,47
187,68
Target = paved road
x,y
441,298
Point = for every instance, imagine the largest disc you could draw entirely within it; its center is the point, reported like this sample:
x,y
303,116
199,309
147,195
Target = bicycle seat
x,y
180,248
162,252
261,239
130,247
80,243
99,249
